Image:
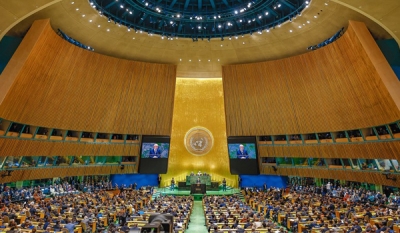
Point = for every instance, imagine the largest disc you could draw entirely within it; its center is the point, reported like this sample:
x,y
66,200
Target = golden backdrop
x,y
199,103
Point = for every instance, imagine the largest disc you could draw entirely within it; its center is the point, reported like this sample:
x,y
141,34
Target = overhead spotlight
x,y
109,20
178,16
279,5
129,29
146,4
267,30
222,39
219,26
219,16
236,37
236,12
266,13
122,6
91,3
259,16
307,2
130,12
230,38
162,37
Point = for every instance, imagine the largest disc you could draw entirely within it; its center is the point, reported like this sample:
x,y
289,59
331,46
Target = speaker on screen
x,y
154,154
243,155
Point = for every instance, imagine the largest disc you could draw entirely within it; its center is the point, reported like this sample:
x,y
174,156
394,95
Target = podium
x,y
198,189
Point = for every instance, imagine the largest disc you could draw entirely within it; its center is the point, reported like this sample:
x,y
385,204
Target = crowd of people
x,y
90,207
332,208
232,214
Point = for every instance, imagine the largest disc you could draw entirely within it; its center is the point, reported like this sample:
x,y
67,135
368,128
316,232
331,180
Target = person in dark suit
x,y
155,153
242,153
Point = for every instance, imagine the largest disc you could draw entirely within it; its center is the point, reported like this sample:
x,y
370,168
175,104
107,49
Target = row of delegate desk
x,y
261,207
79,228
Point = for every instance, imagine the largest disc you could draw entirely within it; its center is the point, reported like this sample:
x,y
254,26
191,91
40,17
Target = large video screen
x,y
242,150
243,155
154,155
155,150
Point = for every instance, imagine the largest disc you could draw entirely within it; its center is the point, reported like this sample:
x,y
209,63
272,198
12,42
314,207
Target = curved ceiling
x,y
198,19
79,20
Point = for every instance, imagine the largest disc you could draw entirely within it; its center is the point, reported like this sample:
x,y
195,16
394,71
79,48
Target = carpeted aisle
x,y
197,219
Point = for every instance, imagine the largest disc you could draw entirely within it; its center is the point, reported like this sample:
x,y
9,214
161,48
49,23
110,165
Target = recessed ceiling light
x,y
133,38
90,20
326,3
209,60
199,60
98,25
72,2
108,29
221,45
243,42
190,60
180,59
308,21
83,15
218,59
290,31
77,9
300,26
315,16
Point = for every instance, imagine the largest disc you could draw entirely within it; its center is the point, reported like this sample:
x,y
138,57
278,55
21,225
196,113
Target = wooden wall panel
x,y
63,86
370,150
16,147
333,88
44,173
350,175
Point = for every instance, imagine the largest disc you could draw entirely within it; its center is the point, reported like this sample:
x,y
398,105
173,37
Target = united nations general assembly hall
x,y
199,116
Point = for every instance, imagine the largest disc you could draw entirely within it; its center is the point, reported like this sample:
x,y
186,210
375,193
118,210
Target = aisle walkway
x,y
197,219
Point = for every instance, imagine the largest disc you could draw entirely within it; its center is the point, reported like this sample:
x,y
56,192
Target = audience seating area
x,y
330,209
97,209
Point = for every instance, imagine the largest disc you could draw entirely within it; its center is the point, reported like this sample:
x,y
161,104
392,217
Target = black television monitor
x,y
243,155
154,154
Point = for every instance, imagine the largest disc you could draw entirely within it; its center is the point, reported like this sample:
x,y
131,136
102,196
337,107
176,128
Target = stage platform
x,y
168,191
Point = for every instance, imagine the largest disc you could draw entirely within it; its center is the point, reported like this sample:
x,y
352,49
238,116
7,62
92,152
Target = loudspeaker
x,y
122,167
275,169
214,184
